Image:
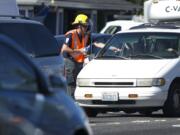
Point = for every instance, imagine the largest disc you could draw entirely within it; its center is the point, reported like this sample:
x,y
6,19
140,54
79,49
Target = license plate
x,y
113,96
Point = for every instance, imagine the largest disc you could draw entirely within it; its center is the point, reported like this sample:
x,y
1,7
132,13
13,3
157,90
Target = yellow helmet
x,y
81,19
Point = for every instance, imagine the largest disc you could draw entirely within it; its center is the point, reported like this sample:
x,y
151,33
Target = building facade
x,y
58,15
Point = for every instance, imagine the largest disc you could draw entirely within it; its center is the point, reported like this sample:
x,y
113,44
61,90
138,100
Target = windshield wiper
x,y
113,57
145,56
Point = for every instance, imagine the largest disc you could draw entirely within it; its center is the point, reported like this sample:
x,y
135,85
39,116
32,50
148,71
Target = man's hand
x,y
75,54
99,45
115,49
83,51
78,52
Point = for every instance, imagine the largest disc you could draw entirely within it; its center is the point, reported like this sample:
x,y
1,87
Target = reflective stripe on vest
x,y
77,44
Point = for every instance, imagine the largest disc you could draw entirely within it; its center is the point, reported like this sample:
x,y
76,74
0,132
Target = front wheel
x,y
172,105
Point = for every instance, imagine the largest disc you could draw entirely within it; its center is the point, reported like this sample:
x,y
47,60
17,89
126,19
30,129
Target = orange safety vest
x,y
77,44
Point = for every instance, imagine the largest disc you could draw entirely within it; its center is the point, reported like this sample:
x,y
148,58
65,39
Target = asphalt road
x,y
134,124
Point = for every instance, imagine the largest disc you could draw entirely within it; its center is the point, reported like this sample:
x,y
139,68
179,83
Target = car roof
x,y
95,35
162,25
124,24
118,22
17,19
158,27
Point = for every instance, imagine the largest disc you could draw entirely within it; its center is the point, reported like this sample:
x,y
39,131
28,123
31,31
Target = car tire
x,y
172,104
90,112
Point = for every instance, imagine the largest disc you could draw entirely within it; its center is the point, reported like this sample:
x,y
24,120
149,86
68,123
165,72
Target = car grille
x,y
100,102
114,83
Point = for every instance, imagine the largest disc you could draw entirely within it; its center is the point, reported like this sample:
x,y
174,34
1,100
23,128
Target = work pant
x,y
72,69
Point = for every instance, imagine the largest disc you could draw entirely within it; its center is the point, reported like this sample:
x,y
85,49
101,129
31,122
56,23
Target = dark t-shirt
x,y
68,40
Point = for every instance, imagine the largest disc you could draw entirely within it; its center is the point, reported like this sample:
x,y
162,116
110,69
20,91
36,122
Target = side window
x,y
15,73
112,29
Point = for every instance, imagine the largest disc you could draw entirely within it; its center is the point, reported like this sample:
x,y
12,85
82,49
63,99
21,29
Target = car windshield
x,y
142,46
34,38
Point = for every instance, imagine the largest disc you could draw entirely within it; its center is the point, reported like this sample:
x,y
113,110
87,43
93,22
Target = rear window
x,y
34,38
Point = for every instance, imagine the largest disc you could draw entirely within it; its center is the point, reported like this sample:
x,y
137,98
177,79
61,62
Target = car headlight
x,y
150,82
83,82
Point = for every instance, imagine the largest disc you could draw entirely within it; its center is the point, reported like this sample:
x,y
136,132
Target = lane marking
x,y
136,122
160,120
113,123
141,121
105,124
92,124
176,126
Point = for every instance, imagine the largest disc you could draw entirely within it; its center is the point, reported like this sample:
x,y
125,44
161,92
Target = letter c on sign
x,y
167,9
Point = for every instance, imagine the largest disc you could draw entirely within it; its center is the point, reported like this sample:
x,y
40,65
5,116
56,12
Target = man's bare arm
x,y
72,52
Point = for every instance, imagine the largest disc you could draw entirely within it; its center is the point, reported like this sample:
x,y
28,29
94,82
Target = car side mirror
x,y
57,82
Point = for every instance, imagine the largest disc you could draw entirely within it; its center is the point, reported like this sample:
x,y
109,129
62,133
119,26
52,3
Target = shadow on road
x,y
157,114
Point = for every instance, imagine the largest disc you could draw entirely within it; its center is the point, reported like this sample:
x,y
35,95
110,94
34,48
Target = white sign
x,y
8,8
164,10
